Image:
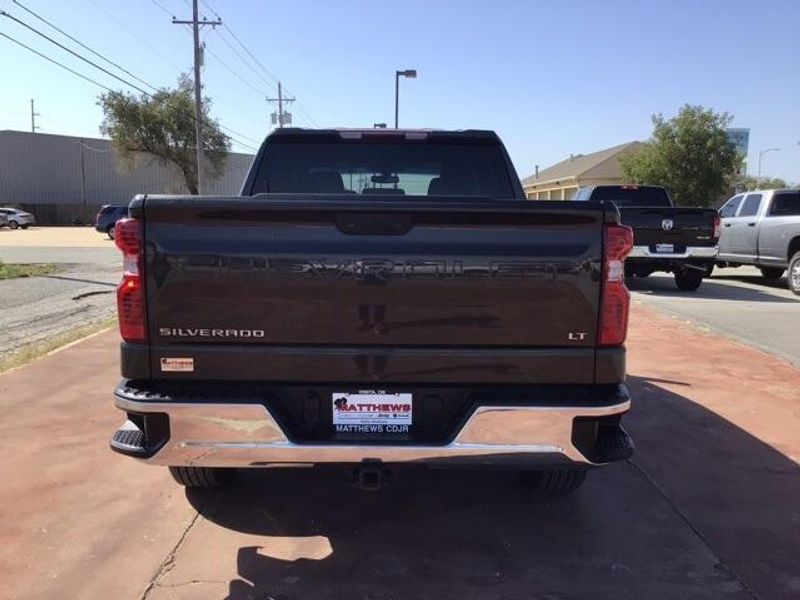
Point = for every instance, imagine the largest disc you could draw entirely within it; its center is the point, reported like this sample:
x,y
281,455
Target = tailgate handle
x,y
373,223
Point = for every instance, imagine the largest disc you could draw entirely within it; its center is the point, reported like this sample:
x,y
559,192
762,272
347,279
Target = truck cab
x,y
762,228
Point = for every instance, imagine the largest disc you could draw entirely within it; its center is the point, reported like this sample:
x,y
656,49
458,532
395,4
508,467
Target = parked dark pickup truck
x,y
678,240
372,298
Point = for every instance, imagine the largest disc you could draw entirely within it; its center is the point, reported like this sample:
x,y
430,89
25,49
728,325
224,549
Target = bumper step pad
x,y
141,436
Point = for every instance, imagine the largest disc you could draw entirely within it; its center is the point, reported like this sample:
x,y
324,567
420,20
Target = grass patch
x,y
36,350
12,271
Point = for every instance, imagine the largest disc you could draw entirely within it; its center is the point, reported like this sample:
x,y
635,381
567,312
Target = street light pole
x,y
761,154
410,74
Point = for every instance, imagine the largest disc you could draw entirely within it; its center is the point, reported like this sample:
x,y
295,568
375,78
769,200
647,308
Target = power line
x,y
136,36
63,47
55,62
82,45
160,6
82,76
255,59
233,72
98,84
240,57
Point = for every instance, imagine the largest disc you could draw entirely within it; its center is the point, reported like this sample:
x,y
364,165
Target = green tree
x,y
162,125
765,183
690,154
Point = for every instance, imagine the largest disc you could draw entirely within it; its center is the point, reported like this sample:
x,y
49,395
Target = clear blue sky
x,y
552,78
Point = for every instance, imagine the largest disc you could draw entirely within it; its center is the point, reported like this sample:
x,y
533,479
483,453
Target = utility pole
x,y
83,175
409,74
34,114
196,24
281,118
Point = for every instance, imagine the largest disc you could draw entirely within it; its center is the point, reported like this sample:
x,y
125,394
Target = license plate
x,y
370,411
665,248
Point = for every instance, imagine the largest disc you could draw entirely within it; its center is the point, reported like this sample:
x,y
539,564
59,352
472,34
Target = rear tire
x,y
793,276
558,482
23,226
200,477
771,272
688,280
13,225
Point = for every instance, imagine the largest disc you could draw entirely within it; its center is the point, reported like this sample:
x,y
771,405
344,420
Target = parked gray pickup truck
x,y
762,228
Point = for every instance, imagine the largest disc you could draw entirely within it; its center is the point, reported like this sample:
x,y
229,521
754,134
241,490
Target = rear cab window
x,y
386,167
751,205
633,195
785,204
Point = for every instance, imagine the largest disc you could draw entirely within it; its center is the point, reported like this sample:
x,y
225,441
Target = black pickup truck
x,y
373,298
679,240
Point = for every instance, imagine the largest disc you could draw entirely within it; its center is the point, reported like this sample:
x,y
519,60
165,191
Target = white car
x,y
16,218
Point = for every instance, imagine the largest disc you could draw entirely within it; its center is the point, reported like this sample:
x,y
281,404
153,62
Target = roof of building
x,y
577,165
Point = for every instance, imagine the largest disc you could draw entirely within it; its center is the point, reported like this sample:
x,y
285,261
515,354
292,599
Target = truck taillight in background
x,y
130,291
616,299
717,227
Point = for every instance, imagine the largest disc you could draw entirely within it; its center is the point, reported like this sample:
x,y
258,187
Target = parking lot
x,y
707,507
79,294
737,303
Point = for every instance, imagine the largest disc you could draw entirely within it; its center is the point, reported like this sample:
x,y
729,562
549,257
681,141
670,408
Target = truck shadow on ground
x,y
777,284
704,510
710,289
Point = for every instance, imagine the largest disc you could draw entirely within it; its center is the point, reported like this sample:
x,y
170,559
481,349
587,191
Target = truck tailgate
x,y
292,280
681,227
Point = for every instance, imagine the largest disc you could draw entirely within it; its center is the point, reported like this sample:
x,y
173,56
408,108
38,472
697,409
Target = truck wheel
x,y
558,482
110,232
13,225
771,272
794,274
200,477
688,280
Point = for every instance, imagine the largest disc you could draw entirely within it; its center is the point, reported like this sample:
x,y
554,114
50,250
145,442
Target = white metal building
x,y
62,178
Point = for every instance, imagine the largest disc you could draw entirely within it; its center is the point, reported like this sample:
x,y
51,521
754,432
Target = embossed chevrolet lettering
x,y
207,332
374,268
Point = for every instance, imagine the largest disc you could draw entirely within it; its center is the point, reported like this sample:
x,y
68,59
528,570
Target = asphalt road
x,y
737,303
38,309
708,508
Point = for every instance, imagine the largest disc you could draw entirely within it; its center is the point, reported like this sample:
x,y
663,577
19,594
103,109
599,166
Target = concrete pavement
x,y
82,293
72,245
737,303
708,508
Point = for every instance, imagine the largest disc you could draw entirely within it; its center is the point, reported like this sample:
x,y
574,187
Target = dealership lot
x,y
713,468
737,303
707,507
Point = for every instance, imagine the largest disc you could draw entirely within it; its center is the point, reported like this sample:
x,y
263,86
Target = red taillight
x,y
615,296
717,227
130,291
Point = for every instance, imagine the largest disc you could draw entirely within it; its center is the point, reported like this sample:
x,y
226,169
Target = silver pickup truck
x,y
762,228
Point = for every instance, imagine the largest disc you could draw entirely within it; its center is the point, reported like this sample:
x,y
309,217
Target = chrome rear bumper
x,y
690,252
246,435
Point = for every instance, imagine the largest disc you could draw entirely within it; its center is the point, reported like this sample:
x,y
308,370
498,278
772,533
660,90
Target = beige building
x,y
562,179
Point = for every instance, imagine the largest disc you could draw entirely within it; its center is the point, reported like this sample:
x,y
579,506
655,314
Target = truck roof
x,y
408,133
